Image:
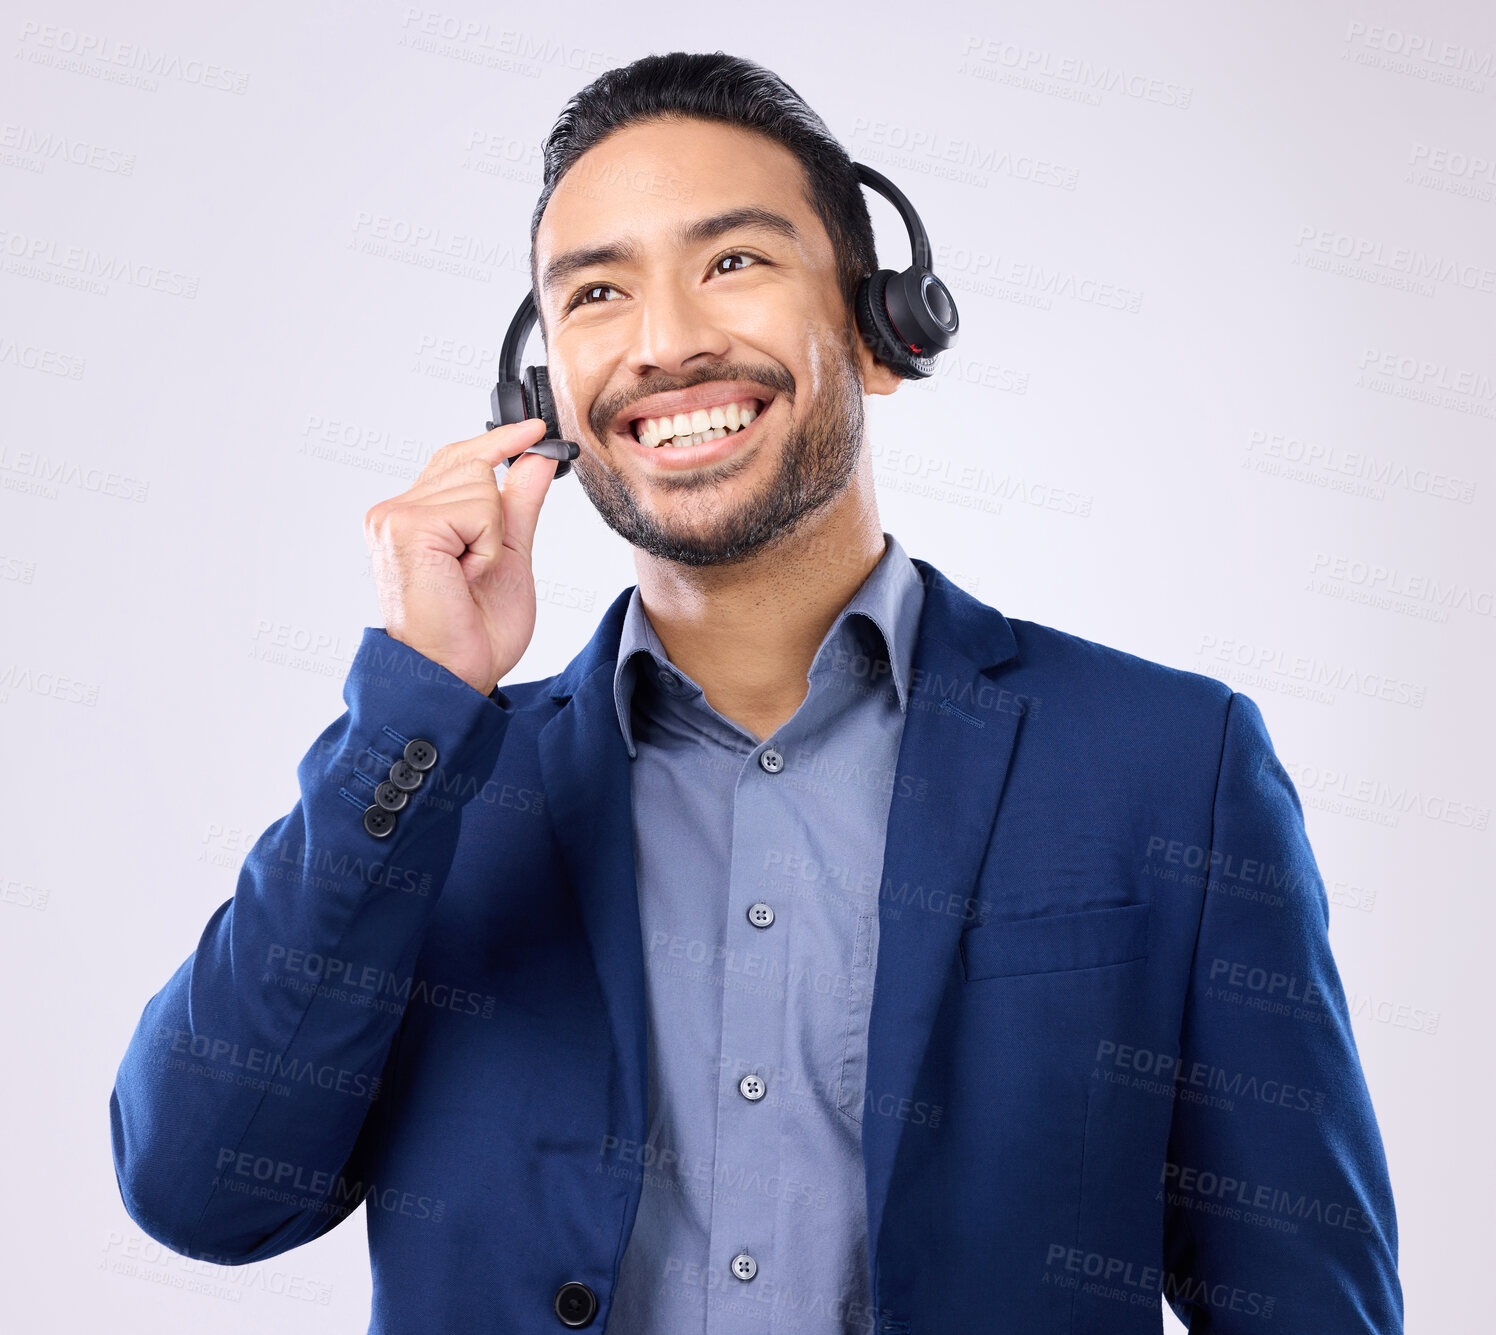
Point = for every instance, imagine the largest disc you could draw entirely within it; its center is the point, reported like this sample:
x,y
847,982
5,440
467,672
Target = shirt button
x,y
760,914
751,1088
744,1266
668,680
771,761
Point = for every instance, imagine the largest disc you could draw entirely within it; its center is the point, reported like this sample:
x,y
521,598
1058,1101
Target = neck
x,y
748,633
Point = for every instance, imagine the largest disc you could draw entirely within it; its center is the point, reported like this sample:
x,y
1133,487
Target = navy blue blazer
x,y
1110,1055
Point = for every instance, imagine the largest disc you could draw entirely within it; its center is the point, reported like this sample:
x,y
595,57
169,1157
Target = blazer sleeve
x,y
242,1110
1278,1208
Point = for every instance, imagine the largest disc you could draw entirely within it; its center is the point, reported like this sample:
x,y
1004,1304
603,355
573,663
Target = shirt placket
x,y
756,961
762,954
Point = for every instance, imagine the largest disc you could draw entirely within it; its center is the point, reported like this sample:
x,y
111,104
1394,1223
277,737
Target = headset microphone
x,y
517,398
906,318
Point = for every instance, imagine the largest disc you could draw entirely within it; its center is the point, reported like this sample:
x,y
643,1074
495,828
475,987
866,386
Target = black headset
x,y
907,319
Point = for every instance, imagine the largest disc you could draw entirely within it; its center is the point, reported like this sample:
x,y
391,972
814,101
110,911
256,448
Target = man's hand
x,y
451,556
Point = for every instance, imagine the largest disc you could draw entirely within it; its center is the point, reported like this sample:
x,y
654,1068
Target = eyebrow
x,y
686,234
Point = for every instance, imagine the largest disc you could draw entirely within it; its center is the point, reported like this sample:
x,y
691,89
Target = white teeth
x,y
699,437
696,424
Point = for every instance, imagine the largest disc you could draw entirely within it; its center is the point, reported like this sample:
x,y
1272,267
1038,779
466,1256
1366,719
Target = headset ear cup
x,y
921,306
878,328
539,402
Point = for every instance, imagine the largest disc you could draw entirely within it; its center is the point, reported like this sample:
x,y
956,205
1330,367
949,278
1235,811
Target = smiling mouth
x,y
683,430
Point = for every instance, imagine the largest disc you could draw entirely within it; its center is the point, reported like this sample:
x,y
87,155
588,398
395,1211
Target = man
x,y
820,950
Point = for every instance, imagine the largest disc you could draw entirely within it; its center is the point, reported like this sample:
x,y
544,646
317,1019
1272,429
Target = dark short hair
x,y
718,87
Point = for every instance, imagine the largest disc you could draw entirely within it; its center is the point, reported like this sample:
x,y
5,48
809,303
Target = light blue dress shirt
x,y
758,867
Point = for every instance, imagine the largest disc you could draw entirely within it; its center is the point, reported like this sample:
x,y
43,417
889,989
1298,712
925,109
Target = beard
x,y
816,461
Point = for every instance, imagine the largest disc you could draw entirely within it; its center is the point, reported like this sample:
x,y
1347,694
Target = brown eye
x,y
582,297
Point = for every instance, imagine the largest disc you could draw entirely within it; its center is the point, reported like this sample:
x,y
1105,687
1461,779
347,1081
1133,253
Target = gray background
x,y
255,268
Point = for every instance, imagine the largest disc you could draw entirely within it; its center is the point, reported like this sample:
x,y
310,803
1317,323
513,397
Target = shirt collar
x,y
889,598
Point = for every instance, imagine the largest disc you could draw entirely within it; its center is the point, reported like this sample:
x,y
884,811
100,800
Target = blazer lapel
x,y
584,767
958,736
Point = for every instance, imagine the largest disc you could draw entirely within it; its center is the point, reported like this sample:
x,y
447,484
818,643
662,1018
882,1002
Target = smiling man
x,y
754,525
820,950
743,310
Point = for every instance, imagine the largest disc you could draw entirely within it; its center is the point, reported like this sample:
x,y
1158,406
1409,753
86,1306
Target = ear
x,y
877,378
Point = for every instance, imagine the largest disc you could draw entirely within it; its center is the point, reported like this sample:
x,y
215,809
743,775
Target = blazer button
x,y
406,776
576,1304
420,754
379,822
390,797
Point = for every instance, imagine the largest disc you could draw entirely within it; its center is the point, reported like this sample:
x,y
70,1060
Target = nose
x,y
674,330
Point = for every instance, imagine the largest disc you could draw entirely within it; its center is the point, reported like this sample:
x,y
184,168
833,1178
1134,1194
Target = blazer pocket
x,y
1055,942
